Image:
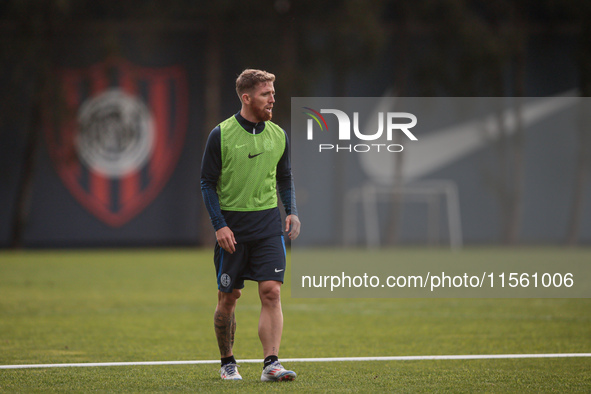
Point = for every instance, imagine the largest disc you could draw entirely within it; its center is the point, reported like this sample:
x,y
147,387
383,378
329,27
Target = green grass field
x,y
157,305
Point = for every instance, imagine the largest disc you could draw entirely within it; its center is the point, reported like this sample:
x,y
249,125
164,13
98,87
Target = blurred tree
x,y
479,50
27,50
403,17
580,12
341,36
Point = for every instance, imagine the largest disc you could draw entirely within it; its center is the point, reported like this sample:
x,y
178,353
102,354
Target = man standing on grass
x,y
246,161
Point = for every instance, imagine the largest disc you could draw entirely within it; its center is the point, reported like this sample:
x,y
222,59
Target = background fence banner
x,y
121,136
118,102
118,147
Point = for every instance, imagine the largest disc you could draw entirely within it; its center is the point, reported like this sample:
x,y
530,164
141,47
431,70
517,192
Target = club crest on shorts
x,y
119,137
225,280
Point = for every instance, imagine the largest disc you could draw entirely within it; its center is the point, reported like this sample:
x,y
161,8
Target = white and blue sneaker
x,y
230,372
276,373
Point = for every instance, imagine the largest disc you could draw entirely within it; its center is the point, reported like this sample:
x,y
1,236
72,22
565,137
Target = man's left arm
x,y
286,189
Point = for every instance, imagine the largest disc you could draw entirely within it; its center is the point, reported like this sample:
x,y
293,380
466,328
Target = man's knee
x,y
270,291
228,300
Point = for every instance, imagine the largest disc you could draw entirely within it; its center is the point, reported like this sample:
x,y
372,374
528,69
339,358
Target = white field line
x,y
306,360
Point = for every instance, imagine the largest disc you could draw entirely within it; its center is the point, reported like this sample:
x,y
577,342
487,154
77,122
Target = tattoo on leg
x,y
225,325
233,330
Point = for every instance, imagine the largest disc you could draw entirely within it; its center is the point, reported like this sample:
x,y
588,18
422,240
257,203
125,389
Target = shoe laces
x,y
230,368
275,364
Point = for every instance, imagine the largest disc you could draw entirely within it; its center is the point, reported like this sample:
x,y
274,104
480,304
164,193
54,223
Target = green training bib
x,y
249,166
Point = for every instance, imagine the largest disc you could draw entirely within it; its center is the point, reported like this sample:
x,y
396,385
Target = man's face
x,y
261,101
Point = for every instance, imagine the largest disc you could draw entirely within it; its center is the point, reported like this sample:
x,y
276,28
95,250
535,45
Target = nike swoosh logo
x,y
251,156
240,146
276,270
448,145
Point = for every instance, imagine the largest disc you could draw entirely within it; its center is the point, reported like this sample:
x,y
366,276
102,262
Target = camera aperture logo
x,y
392,121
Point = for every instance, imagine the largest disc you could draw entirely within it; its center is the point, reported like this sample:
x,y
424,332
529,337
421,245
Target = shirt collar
x,y
253,128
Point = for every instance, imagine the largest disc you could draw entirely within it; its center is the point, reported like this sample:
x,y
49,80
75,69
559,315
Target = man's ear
x,y
245,98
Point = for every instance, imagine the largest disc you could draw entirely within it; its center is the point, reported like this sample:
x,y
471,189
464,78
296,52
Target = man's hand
x,y
226,239
294,222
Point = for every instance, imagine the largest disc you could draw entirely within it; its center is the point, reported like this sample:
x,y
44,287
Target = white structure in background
x,y
430,153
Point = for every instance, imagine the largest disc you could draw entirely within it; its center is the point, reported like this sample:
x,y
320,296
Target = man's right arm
x,y
211,167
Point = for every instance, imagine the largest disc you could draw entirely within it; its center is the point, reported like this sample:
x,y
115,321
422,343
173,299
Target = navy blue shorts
x,y
259,260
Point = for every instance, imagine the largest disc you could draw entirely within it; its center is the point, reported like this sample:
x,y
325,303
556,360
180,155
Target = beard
x,y
262,115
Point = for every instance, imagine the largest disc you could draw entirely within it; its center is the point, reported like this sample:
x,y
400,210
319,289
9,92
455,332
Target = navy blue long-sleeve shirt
x,y
246,226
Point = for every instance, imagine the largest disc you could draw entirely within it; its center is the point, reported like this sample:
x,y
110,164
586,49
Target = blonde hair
x,y
249,78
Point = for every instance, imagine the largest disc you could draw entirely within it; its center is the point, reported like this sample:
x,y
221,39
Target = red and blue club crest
x,y
118,136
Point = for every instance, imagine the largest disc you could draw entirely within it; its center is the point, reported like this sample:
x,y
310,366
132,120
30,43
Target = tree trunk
x,y
213,103
400,86
581,173
339,185
518,146
583,136
25,185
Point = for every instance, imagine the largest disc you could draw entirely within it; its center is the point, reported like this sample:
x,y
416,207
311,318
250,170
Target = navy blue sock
x,y
270,360
228,360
